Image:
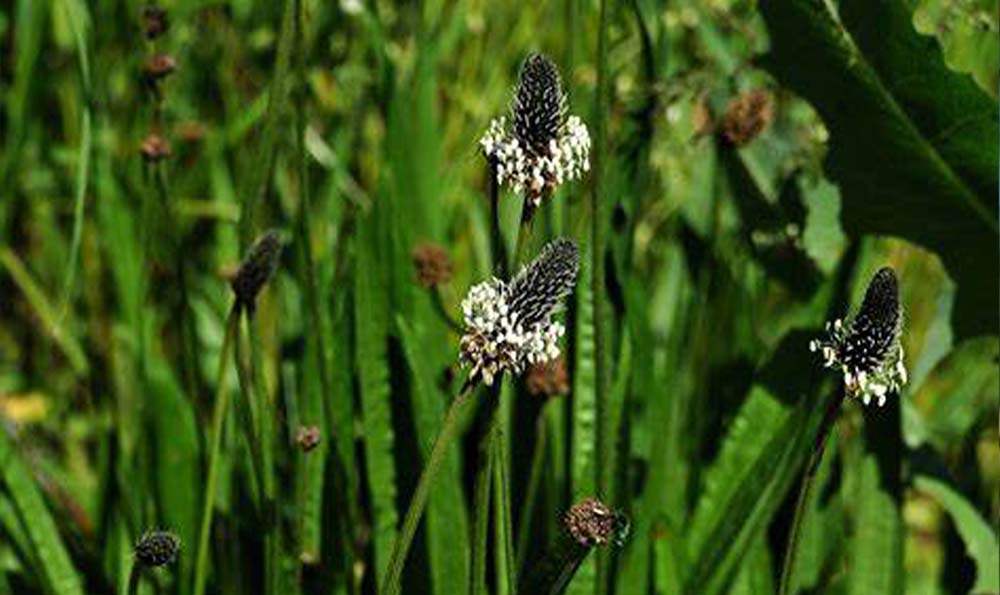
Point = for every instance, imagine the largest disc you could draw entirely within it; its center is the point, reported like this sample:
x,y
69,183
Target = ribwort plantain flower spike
x,y
508,325
156,548
867,349
258,267
541,147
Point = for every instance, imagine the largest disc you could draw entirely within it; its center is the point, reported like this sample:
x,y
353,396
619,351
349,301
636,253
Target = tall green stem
x,y
805,494
392,581
218,420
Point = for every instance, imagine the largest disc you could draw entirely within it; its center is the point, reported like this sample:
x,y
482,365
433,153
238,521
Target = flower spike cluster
x,y
541,147
508,325
867,349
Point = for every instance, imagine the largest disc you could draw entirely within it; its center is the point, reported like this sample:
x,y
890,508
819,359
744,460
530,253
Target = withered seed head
x,y
592,522
158,67
258,267
548,379
747,116
157,548
433,265
155,148
154,21
307,437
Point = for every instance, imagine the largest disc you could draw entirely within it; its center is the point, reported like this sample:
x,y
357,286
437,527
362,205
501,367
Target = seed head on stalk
x,y
541,147
867,348
258,267
156,548
508,325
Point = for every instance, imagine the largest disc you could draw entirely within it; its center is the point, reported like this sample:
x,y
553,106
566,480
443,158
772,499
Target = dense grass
x,y
136,393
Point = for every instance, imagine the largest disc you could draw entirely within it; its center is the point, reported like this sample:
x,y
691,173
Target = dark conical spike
x,y
876,327
541,285
539,103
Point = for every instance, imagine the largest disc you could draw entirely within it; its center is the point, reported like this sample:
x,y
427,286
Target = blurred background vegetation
x,y
732,229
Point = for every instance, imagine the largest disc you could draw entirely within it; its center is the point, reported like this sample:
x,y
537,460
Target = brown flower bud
x,y
307,437
747,116
158,66
155,148
154,21
190,131
432,264
549,379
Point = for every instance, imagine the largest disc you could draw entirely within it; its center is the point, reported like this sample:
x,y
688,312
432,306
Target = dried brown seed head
x,y
433,265
548,379
307,437
155,148
592,523
158,66
190,131
747,116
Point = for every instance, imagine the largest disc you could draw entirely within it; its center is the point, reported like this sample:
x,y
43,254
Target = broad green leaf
x,y
743,511
760,417
55,568
980,538
960,390
913,145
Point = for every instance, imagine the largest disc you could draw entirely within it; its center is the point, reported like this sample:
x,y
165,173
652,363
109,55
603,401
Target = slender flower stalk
x,y
867,351
392,581
508,326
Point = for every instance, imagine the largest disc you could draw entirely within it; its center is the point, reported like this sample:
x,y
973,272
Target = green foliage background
x,y
353,126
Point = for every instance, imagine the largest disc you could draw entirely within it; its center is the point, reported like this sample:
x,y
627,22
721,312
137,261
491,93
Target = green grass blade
x,y
56,569
371,311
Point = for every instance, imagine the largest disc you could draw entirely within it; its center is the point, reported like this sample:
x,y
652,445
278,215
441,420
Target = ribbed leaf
x,y
371,319
584,411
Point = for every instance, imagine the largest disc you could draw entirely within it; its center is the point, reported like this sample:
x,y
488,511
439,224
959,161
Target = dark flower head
x,y
539,106
541,286
258,267
509,326
154,21
433,265
157,548
747,116
867,348
593,523
542,147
